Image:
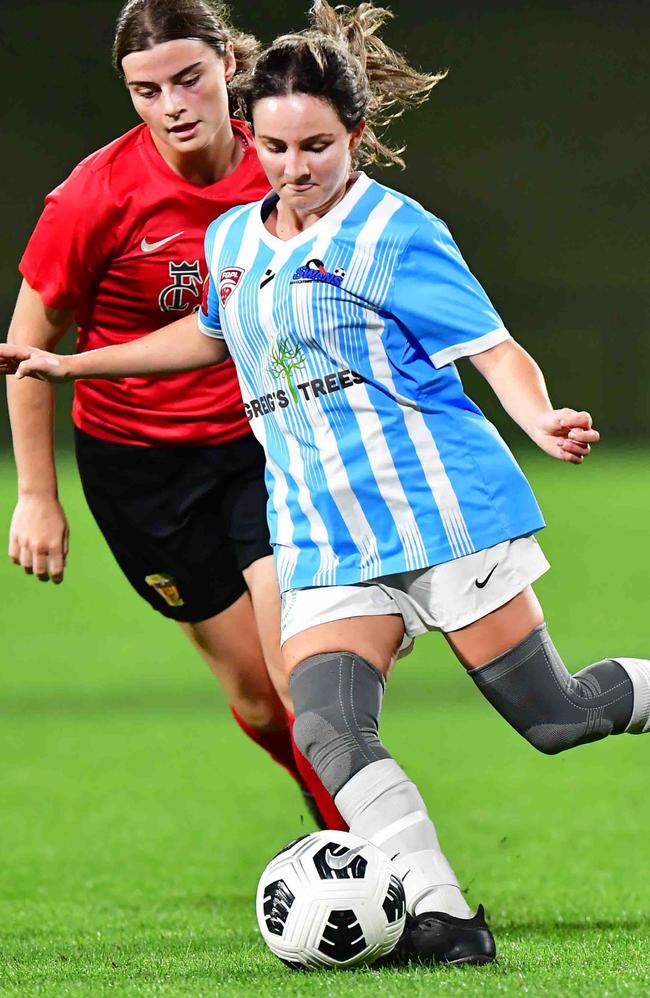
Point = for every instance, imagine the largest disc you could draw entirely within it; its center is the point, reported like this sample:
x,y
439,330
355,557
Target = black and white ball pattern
x,y
330,899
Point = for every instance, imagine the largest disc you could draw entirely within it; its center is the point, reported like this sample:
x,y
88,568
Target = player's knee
x,y
531,688
265,713
337,700
551,739
317,738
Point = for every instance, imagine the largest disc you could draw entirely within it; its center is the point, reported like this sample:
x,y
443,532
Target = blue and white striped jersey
x,y
344,339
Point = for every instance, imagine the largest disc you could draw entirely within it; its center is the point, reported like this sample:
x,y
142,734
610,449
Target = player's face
x,y
305,150
179,90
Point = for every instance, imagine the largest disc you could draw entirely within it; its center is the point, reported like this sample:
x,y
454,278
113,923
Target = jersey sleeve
x,y
438,300
71,242
209,318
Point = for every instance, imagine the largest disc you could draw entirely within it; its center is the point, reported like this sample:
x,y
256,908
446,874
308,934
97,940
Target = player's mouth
x,y
186,130
300,188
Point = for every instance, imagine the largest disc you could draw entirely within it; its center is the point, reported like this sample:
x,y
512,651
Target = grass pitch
x,y
135,819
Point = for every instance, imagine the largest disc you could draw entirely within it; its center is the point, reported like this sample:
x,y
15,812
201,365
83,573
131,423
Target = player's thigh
x,y
498,631
244,511
158,509
262,585
375,638
230,644
363,619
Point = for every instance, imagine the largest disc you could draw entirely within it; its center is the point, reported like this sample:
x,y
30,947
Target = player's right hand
x,y
38,537
30,362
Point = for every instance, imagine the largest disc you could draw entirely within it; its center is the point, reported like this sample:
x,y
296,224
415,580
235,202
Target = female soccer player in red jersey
x,y
170,470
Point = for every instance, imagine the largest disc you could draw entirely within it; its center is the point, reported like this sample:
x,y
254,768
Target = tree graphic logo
x,y
286,358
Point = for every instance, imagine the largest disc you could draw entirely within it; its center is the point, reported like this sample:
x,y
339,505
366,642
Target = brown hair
x,y
341,59
142,24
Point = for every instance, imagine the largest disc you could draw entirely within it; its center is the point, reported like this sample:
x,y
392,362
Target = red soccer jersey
x,y
120,243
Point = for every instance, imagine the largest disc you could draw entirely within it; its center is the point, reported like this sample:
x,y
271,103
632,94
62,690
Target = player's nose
x,y
295,165
172,103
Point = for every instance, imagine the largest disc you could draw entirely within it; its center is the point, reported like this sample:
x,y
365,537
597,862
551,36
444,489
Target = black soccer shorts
x,y
182,522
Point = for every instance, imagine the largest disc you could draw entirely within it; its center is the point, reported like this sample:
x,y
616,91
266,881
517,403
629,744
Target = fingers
x,y
574,428
43,563
584,436
57,568
29,369
41,365
39,566
38,537
569,418
575,452
11,355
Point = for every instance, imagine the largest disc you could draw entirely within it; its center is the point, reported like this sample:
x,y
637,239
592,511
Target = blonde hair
x,y
341,59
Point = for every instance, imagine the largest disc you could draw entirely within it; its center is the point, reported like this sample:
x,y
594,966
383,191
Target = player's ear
x,y
356,135
229,62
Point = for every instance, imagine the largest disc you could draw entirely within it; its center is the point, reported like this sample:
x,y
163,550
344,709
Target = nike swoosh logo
x,y
481,585
147,247
340,862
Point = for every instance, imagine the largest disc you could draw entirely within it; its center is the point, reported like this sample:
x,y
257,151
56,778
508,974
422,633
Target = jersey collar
x,y
331,220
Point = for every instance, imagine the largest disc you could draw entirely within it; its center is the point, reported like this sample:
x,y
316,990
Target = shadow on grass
x,y
77,703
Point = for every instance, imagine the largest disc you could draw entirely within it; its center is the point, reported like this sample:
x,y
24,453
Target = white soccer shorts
x,y
441,598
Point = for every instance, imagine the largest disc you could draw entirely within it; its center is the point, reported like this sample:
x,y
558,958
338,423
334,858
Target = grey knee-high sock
x,y
531,688
337,701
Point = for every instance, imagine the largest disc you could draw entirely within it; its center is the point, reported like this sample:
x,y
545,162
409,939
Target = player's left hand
x,y
566,434
30,362
11,356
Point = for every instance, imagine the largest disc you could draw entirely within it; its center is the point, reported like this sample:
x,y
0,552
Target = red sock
x,y
324,801
278,744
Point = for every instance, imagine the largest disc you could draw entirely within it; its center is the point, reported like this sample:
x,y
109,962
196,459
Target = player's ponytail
x,y
341,58
142,24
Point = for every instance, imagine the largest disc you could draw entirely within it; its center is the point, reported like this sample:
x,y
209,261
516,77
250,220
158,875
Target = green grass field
x,y
135,819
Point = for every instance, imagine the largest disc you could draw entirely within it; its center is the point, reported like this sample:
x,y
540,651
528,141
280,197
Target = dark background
x,y
535,150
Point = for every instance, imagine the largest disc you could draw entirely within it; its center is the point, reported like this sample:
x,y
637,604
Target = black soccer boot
x,y
312,807
436,937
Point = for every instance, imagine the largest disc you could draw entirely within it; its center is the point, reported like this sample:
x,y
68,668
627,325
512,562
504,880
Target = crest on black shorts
x,y
166,586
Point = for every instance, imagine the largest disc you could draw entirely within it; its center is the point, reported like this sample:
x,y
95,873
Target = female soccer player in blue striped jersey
x,y
395,507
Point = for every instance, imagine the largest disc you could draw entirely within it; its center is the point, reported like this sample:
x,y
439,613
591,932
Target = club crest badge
x,y
229,278
165,586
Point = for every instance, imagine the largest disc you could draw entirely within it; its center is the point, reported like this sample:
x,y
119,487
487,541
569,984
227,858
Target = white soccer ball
x,y
330,899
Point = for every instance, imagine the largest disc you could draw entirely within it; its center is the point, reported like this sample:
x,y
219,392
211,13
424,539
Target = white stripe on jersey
x,y
441,488
471,348
287,554
333,466
370,425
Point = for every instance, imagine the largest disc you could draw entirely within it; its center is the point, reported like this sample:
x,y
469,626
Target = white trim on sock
x,y
638,670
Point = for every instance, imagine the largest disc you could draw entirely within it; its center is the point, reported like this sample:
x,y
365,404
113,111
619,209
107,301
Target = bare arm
x,y
180,346
518,383
38,535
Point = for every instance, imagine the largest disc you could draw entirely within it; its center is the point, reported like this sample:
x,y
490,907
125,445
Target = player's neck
x,y
205,166
285,222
